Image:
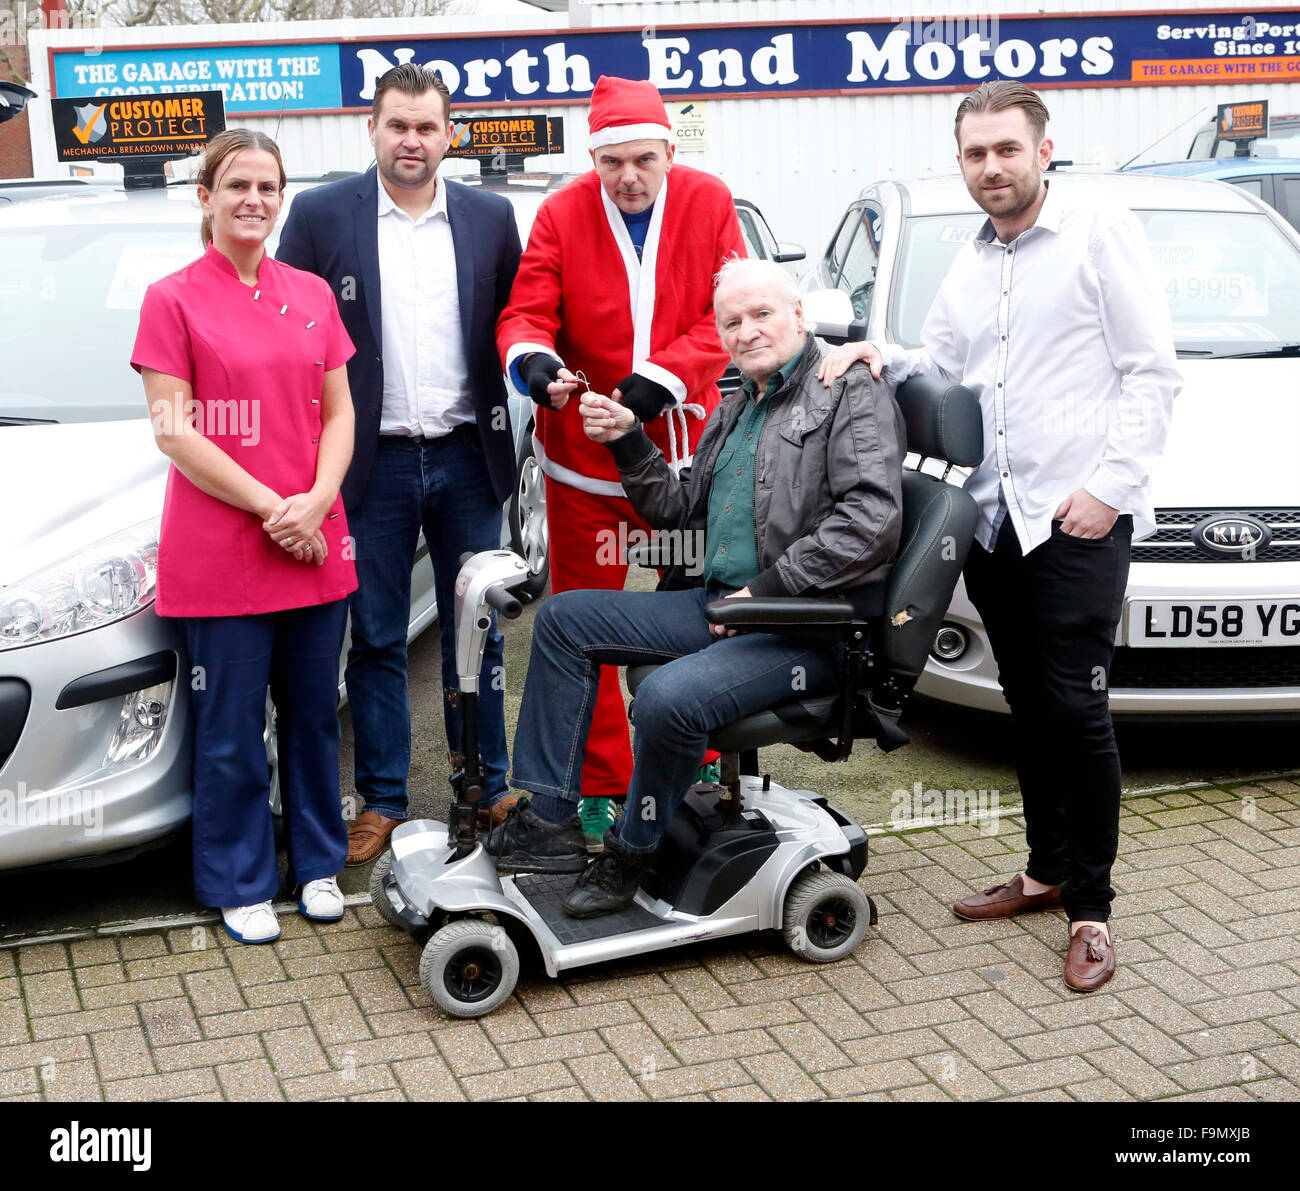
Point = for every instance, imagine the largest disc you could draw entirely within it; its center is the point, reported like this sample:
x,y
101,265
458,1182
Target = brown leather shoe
x,y
368,836
1091,960
495,815
1004,901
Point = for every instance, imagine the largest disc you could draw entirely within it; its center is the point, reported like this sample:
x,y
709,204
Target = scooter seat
x,y
800,719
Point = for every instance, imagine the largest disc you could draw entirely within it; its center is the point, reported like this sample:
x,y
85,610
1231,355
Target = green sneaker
x,y
597,815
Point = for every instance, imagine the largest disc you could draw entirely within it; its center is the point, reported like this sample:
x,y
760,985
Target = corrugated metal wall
x,y
801,159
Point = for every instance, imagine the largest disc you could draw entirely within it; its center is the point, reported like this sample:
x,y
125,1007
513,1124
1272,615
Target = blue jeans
x,y
707,682
442,486
296,653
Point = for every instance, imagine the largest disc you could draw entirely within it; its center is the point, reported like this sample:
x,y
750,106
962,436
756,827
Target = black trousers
x,y
1051,616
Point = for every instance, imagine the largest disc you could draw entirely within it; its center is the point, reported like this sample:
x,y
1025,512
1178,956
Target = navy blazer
x,y
333,231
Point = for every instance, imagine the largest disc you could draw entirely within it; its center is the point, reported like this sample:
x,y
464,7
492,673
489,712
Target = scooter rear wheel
x,y
469,968
826,916
378,898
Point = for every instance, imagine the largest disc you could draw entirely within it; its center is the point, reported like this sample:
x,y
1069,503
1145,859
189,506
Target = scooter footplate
x,y
546,893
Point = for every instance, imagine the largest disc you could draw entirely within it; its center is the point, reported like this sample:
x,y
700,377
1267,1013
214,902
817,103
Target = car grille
x,y
15,700
1198,669
1172,541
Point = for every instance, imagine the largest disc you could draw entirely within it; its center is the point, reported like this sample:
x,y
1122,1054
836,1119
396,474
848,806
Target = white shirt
x,y
1064,335
426,381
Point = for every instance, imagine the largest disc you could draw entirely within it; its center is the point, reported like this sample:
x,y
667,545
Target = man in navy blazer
x,y
421,268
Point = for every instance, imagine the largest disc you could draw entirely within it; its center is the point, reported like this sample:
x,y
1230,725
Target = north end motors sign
x,y
715,61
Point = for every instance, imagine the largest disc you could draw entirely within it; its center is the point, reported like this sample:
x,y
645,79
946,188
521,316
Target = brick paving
x,y
1205,1005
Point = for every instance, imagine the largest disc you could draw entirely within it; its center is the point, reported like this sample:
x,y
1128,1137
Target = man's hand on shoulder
x,y
549,382
840,359
644,397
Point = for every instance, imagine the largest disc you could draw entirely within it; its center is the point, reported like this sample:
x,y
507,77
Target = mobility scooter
x,y
743,854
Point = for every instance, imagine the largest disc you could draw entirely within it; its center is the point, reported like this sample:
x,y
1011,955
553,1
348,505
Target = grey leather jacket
x,y
827,483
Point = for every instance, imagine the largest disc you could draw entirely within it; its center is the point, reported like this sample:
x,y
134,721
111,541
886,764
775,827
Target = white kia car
x,y
1211,623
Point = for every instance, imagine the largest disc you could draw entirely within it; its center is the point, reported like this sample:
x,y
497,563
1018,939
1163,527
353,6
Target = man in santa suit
x,y
617,284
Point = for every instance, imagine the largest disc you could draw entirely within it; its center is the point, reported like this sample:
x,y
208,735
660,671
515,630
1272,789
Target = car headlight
x,y
98,585
142,718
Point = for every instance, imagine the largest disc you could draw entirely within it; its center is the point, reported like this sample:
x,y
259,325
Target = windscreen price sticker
x,y
1210,287
1156,623
1222,293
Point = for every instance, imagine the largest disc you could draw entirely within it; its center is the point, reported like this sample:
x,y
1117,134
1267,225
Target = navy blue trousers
x,y
441,486
236,658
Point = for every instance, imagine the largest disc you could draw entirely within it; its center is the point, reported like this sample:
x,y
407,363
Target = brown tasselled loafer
x,y
1004,901
1091,960
368,836
495,815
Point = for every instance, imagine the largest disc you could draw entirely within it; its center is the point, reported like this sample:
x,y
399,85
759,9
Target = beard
x,y
1020,195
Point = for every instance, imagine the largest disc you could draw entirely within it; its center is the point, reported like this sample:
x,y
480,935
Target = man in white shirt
x,y
421,267
1054,317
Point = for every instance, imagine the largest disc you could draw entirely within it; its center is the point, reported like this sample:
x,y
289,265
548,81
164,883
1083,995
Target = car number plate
x,y
1156,623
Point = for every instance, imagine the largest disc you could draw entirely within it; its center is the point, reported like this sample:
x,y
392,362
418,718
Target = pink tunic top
x,y
256,359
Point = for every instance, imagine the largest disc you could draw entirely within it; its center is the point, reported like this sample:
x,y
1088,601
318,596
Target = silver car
x,y
95,750
1211,623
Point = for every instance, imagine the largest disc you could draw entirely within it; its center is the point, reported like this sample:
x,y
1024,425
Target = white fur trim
x,y
515,350
574,479
640,274
623,239
617,134
645,307
661,376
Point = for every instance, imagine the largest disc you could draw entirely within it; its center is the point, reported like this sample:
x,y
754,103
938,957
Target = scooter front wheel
x,y
469,968
826,916
378,898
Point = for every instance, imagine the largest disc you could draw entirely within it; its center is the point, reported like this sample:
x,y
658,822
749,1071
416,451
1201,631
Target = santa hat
x,y
626,110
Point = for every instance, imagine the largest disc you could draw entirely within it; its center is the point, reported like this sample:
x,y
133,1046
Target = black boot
x,y
527,843
609,883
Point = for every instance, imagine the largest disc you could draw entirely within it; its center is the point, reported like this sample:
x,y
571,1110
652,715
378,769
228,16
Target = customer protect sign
x,y
1241,121
90,128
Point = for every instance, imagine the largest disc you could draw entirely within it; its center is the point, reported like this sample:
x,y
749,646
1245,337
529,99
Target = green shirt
x,y
731,543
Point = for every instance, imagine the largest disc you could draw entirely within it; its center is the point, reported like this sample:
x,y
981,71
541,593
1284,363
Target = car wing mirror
x,y
830,314
13,98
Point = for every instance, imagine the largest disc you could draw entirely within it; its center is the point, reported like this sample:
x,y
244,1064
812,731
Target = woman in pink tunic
x,y
243,365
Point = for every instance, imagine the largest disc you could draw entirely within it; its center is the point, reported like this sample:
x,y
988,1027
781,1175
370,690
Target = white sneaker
x,y
321,900
251,924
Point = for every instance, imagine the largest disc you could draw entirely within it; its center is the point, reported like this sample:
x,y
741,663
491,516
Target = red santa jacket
x,y
581,294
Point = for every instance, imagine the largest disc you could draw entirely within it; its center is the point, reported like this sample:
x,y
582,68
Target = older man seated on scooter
x,y
795,489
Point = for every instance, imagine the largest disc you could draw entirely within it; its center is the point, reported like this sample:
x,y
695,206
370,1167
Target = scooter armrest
x,y
657,555
780,614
